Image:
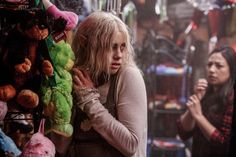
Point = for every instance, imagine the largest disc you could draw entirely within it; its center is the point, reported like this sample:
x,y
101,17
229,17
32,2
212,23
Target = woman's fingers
x,y
81,78
86,74
200,88
77,81
192,100
202,83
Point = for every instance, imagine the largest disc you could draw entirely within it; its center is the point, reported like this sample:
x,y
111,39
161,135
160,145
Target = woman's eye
x,y
209,65
123,46
115,46
219,66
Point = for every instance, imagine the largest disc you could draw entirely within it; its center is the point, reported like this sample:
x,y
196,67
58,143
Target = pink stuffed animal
x,y
39,145
70,17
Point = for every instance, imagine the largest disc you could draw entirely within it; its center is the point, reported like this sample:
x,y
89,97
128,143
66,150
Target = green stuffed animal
x,y
57,98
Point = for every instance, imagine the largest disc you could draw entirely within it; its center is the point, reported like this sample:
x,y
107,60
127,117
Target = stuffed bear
x,y
57,99
25,57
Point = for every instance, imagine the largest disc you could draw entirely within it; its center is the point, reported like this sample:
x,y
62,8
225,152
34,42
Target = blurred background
x,y
172,39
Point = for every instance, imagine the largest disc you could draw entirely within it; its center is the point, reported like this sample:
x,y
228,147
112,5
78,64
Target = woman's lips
x,y
211,78
115,65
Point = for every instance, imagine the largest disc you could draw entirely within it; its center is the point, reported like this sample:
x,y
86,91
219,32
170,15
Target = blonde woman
x,y
109,91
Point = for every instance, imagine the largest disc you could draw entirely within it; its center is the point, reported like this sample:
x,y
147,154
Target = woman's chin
x,y
113,71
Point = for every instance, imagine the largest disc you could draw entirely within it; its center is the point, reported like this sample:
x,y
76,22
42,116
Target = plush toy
x,y
24,60
39,145
25,57
7,145
3,110
57,99
70,17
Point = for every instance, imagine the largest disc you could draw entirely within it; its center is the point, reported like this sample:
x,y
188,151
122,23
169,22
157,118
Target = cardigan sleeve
x,y
126,133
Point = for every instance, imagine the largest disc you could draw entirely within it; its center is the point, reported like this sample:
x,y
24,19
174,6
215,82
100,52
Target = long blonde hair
x,y
93,42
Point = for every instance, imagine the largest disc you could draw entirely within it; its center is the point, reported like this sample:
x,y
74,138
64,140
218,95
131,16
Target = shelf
x,y
163,70
168,144
169,111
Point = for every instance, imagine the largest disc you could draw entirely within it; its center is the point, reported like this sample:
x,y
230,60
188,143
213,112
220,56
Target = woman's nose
x,y
117,54
212,68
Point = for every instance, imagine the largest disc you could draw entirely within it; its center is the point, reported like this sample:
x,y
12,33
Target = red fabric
x,y
196,18
214,18
221,135
232,1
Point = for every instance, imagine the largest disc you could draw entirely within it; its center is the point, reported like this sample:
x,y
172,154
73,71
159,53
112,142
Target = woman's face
x,y
118,50
218,69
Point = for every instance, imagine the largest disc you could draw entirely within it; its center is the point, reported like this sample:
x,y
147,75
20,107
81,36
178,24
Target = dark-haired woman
x,y
208,117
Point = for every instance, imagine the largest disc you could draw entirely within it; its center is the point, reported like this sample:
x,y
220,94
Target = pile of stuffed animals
x,y
36,61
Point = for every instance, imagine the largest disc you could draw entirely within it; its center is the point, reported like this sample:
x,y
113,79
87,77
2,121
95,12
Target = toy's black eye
x,y
42,26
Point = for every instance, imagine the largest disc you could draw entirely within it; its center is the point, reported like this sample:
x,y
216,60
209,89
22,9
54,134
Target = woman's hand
x,y
81,79
200,88
194,106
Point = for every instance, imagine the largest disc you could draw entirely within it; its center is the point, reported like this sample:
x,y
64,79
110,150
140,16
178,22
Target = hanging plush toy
x,y
24,59
39,145
57,98
7,145
70,17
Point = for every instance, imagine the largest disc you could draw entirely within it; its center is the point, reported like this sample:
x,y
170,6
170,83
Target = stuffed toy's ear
x,y
3,109
70,17
39,145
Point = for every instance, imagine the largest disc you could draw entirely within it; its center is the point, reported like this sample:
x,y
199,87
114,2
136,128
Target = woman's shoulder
x,y
130,75
129,70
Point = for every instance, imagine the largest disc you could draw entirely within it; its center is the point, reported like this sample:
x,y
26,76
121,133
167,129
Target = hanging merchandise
x,y
71,18
204,5
39,145
75,6
161,9
33,49
18,4
230,13
24,59
7,145
3,110
57,98
232,1
24,53
113,6
129,16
